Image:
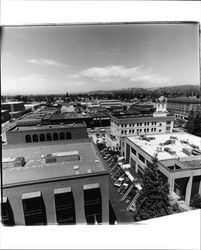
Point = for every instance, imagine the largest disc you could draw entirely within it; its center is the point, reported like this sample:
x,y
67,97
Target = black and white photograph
x,y
100,123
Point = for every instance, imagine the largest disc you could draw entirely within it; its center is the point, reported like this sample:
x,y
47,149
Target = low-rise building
x,y
5,116
54,183
43,133
181,106
136,123
179,157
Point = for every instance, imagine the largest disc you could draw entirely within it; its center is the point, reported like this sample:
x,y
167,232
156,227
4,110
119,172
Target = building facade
x,y
179,157
182,106
57,184
129,124
43,133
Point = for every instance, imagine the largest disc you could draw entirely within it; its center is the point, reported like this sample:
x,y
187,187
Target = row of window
x,y
48,137
132,131
140,124
34,208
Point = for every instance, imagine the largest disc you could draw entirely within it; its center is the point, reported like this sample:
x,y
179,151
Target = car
x,y
119,182
124,188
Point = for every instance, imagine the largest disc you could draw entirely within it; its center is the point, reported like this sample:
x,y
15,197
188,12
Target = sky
x,y
81,58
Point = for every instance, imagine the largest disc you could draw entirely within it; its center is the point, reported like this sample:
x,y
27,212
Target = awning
x,y
62,190
31,195
91,186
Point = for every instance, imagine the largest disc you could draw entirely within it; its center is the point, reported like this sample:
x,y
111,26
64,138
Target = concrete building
x,y
5,116
13,106
44,133
179,156
181,106
67,118
16,109
135,123
111,105
54,183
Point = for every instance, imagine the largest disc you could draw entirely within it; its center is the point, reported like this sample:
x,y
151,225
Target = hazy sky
x,y
57,59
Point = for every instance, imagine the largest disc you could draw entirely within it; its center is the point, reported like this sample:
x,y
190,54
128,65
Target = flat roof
x,y
36,169
63,116
151,146
47,127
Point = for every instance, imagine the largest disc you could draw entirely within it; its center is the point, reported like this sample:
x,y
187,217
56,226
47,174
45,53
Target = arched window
x,y
28,138
35,138
48,137
42,137
55,137
68,135
62,136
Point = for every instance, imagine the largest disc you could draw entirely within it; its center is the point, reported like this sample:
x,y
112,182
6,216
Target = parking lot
x,y
123,190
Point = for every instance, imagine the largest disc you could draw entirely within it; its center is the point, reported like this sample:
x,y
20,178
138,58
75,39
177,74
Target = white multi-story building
x,y
130,124
179,157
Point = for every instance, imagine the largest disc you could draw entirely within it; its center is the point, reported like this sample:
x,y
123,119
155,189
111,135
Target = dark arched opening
x,y
42,137
62,136
55,137
35,138
68,135
49,137
28,138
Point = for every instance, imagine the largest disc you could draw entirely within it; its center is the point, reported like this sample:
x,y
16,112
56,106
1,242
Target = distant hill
x,y
171,89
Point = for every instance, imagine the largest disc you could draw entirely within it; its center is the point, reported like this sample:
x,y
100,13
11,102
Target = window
x,y
159,130
49,137
42,137
55,137
160,124
133,164
65,206
62,136
167,128
92,203
168,122
28,138
68,136
7,213
122,132
133,151
141,158
35,138
144,129
148,130
34,209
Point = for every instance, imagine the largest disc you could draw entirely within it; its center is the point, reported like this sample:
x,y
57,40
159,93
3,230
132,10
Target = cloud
x,y
109,73
119,73
46,62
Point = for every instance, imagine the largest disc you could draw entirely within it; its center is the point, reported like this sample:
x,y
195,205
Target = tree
x,y
196,201
194,122
153,200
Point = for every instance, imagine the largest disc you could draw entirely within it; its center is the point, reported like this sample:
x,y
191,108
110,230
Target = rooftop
x,y
69,115
174,143
47,127
36,168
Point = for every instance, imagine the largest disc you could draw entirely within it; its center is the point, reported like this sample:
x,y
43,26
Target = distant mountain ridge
x,y
170,89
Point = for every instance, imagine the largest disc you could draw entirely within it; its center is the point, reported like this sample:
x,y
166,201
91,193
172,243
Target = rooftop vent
x,y
13,162
89,171
97,161
62,156
76,167
187,151
170,151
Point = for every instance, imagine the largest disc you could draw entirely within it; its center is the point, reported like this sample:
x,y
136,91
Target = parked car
x,y
119,182
124,188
